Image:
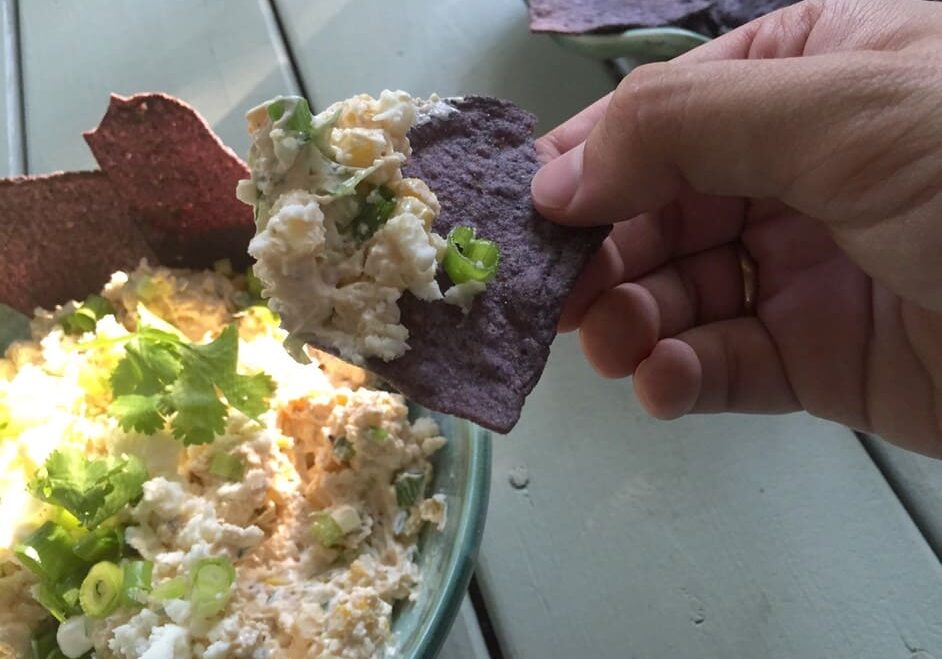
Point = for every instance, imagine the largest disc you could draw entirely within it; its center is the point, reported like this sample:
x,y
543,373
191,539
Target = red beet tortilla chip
x,y
166,192
61,237
176,177
481,366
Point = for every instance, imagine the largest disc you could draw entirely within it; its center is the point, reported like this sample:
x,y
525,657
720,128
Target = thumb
x,y
794,129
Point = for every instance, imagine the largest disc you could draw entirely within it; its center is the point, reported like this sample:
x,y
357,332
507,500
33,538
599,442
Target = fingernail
x,y
555,184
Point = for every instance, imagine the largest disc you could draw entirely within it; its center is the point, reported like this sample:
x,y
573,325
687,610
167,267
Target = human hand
x,y
812,139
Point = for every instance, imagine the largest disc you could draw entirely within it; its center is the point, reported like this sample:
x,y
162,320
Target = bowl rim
x,y
456,577
635,42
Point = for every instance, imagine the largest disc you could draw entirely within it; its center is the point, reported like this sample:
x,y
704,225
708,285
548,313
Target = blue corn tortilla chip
x,y
709,17
481,366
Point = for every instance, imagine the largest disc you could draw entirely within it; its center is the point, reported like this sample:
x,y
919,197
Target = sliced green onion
x,y
54,603
102,589
223,267
343,449
72,637
326,530
347,518
300,119
138,580
44,643
47,553
86,315
227,466
212,580
410,486
101,544
172,589
295,347
276,109
378,434
373,215
468,258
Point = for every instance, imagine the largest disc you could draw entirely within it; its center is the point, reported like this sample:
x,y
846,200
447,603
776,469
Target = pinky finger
x,y
727,366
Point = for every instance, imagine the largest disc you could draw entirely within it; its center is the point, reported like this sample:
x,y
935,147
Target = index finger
x,y
571,132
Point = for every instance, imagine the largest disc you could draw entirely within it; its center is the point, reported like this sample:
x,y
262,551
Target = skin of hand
x,y
812,138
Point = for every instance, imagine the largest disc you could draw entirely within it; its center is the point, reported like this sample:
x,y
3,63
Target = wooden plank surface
x,y
917,480
449,47
11,152
613,535
222,57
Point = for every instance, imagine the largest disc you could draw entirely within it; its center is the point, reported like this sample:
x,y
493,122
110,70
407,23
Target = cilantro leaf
x,y
150,363
137,412
199,414
213,360
91,489
248,393
164,378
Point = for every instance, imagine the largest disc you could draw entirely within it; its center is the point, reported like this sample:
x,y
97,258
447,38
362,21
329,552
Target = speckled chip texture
x,y
176,177
61,237
709,17
580,16
481,366
165,192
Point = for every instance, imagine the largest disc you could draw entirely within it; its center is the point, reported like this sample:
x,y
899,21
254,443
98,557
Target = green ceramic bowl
x,y
446,558
638,45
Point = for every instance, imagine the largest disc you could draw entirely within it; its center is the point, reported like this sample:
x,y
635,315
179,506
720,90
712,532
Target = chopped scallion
x,y
211,586
100,544
373,215
468,258
138,580
326,530
227,466
223,267
410,486
86,316
102,590
172,589
378,434
343,449
47,553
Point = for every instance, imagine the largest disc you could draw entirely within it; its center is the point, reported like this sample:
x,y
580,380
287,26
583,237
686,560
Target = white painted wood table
x,y
706,538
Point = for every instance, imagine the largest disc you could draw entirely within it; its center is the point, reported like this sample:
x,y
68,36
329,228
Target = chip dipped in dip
x,y
341,234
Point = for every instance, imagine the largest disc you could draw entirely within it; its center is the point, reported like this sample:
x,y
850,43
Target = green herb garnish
x,y
90,489
374,214
343,449
86,316
102,590
378,434
326,530
172,589
226,466
410,487
102,544
163,378
300,118
468,258
211,586
138,580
